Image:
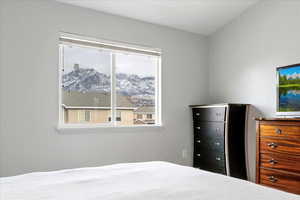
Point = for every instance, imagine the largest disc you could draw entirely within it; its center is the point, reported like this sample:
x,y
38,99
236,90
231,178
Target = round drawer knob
x,y
272,161
278,131
272,145
197,114
273,179
218,158
198,127
198,154
217,143
198,141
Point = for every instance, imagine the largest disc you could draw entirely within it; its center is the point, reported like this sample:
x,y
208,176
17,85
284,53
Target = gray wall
x,y
29,32
1,82
242,61
244,56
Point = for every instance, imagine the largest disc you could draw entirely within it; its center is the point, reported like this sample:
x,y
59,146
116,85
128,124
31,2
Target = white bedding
x,y
134,181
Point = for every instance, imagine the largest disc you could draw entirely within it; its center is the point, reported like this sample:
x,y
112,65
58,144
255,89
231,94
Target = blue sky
x,y
289,71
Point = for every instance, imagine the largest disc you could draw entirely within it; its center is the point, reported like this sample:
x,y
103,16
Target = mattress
x,y
134,181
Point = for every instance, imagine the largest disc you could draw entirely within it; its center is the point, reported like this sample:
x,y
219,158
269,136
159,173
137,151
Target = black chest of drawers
x,y
219,138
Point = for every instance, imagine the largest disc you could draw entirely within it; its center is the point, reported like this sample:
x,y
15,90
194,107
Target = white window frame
x,y
120,46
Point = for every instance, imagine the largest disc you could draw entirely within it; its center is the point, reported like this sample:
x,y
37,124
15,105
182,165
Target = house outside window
x,y
108,84
145,115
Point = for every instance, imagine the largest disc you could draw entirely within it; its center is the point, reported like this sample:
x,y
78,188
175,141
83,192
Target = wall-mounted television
x,y
288,90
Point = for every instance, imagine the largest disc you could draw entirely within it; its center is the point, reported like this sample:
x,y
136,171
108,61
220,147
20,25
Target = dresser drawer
x,y
209,114
270,145
280,180
209,130
205,144
280,162
292,132
210,161
209,155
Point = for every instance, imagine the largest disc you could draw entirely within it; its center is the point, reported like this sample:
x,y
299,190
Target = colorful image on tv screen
x,y
289,89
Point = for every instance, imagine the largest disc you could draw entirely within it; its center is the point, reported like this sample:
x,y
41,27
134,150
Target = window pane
x,y
135,87
80,114
139,116
118,116
87,116
86,90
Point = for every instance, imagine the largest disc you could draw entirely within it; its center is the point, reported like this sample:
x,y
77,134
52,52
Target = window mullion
x,y
113,89
157,92
60,75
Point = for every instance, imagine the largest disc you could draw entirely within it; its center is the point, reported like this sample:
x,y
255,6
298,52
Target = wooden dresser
x,y
278,154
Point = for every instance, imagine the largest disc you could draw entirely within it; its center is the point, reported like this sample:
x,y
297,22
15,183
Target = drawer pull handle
x,y
273,162
198,154
273,179
217,143
272,145
197,114
198,141
278,131
218,158
198,127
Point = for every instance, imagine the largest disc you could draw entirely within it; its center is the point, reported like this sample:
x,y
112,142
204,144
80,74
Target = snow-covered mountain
x,y
85,80
140,89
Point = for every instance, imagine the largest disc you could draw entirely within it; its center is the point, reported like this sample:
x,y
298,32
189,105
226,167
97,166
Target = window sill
x,y
66,127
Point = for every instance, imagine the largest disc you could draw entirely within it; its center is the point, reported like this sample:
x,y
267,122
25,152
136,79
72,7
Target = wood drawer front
x,y
280,131
280,162
280,180
209,114
268,145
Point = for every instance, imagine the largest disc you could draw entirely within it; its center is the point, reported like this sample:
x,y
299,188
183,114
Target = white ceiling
x,y
197,16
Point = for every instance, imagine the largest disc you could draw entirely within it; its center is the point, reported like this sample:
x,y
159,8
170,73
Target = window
x,y
149,116
106,83
118,116
87,116
83,116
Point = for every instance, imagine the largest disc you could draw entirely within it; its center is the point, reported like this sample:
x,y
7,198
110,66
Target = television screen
x,y
288,89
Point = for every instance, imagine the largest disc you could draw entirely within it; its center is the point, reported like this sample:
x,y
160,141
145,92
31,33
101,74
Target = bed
x,y
134,181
